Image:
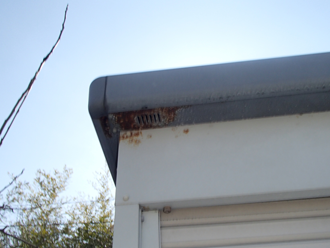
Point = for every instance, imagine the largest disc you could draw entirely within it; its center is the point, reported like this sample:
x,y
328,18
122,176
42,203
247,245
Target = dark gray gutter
x,y
212,93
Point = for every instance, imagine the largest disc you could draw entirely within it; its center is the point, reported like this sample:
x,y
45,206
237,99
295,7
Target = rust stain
x,y
146,119
149,136
145,208
105,126
131,137
186,131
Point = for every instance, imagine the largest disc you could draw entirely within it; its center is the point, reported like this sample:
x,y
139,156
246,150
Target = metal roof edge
x,y
98,113
211,93
218,83
96,97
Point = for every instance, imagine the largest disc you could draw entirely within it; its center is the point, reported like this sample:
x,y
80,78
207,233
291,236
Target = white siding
x,y
259,160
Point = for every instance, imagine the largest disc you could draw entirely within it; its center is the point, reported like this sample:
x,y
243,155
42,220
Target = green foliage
x,y
46,219
96,216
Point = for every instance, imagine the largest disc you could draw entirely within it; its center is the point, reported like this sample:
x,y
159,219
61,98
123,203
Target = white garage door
x,y
300,223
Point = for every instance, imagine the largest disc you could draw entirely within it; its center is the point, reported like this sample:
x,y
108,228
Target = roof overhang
x,y
212,93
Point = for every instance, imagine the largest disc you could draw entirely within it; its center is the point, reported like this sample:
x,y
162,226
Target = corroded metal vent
x,y
145,119
148,119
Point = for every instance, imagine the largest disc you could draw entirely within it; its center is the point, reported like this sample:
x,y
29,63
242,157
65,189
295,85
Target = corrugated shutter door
x,y
300,223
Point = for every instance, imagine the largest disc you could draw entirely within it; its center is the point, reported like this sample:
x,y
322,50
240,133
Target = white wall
x,y
244,161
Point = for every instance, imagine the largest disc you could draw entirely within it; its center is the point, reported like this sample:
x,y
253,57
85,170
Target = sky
x,y
107,37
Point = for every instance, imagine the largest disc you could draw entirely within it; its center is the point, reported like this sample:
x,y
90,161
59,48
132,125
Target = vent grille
x,y
148,119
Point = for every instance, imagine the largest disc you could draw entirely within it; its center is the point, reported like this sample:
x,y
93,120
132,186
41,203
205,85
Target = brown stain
x,y
105,126
131,137
127,121
176,136
149,136
145,208
186,131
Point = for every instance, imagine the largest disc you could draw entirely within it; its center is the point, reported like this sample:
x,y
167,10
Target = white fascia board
x,y
256,160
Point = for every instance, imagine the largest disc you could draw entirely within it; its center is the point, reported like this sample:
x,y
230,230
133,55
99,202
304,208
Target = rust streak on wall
x,y
132,137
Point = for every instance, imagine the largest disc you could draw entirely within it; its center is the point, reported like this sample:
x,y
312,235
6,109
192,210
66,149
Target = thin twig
x,y
12,181
5,207
15,237
21,100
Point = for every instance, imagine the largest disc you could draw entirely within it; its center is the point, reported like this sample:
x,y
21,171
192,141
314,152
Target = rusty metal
x,y
186,131
167,209
133,137
145,208
105,126
146,119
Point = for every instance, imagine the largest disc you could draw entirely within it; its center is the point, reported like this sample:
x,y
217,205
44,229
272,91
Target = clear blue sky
x,y
114,37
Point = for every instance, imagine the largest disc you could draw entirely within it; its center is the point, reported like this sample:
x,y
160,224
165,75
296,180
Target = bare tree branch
x,y
21,100
5,207
15,237
12,181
